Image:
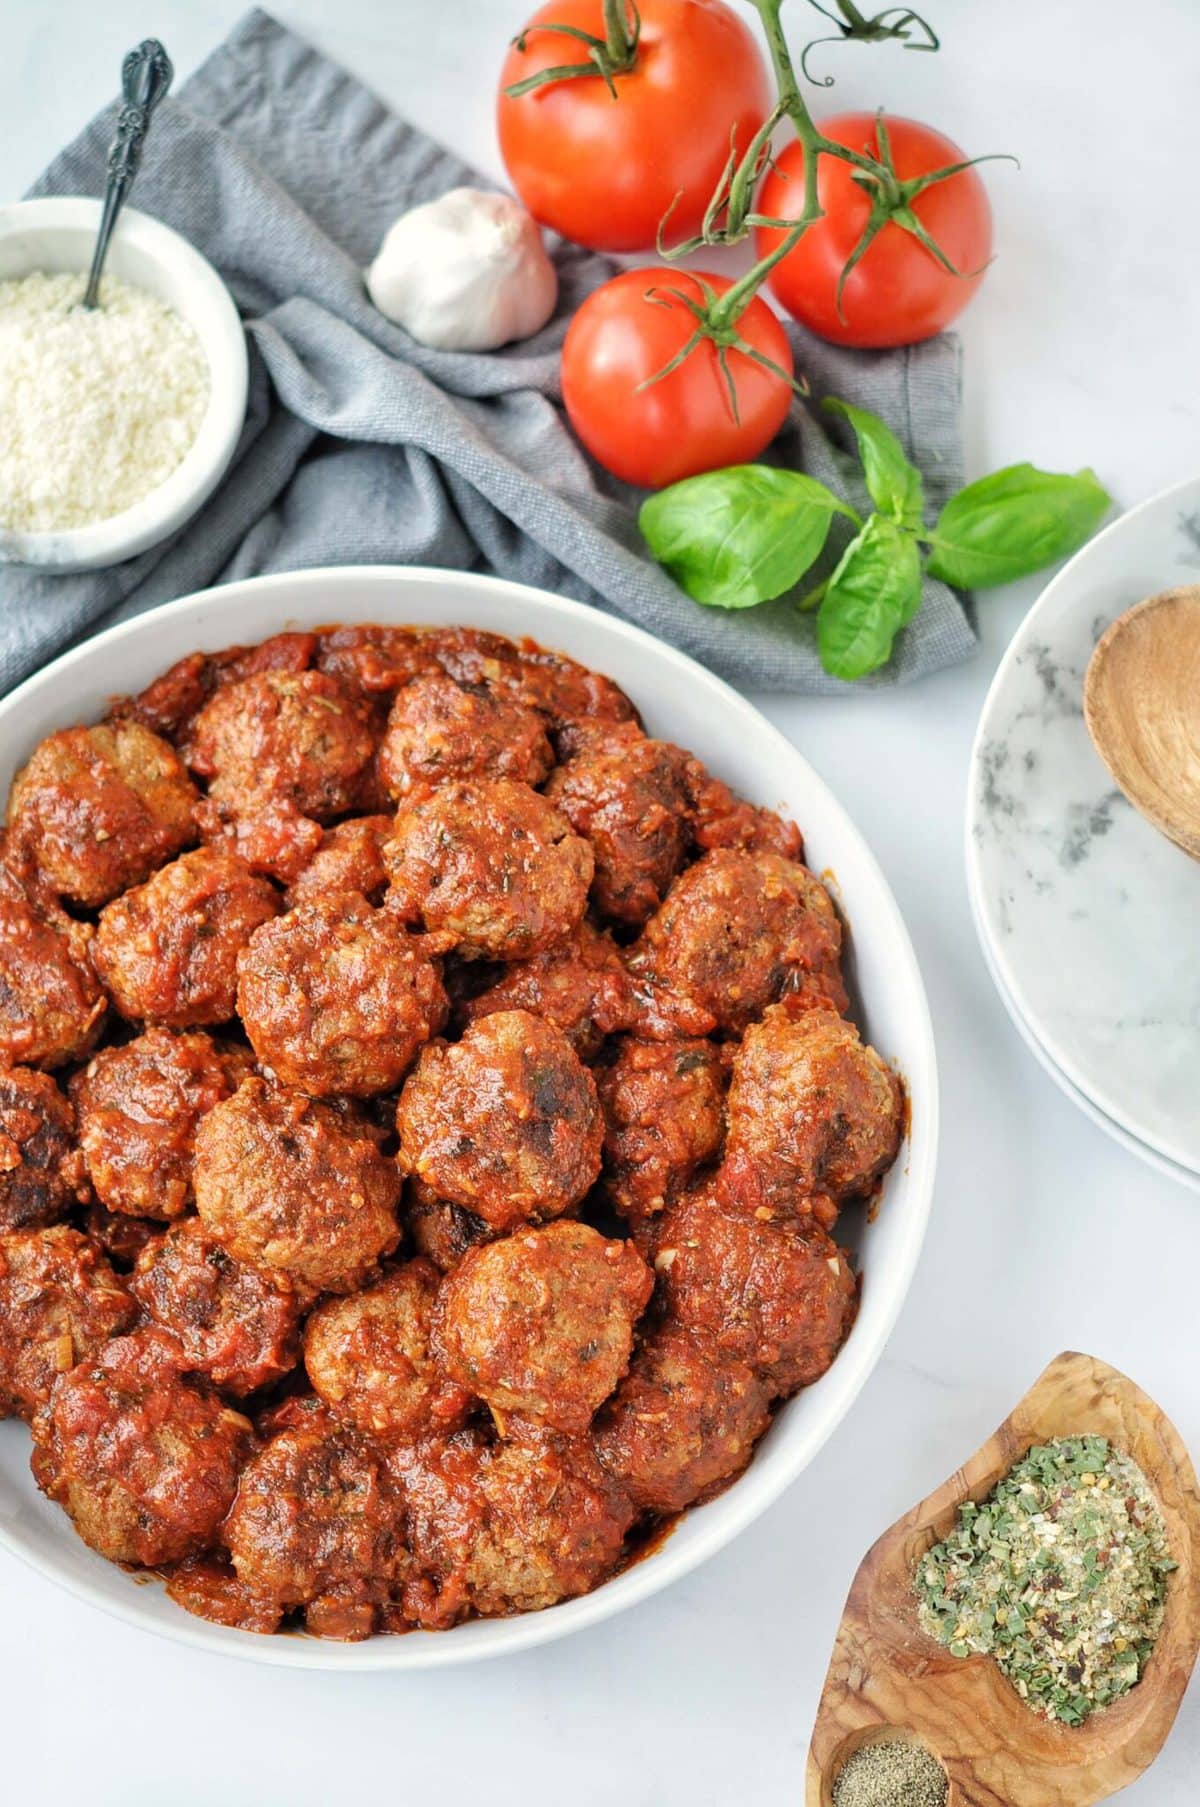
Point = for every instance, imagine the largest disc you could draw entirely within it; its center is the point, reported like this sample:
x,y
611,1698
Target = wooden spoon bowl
x,y
887,1678
1141,700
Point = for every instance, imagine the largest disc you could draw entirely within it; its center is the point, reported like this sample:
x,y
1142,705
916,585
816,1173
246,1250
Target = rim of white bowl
x,y
1057,1059
711,1526
206,460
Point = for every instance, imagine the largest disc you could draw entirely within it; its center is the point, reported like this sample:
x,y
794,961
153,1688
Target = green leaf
x,y
874,591
1013,523
894,484
736,537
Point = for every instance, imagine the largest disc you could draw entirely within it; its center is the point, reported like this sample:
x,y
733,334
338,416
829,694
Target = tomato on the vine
x,y
899,291
605,166
626,332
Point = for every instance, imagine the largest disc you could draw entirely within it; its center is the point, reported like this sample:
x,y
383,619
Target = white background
x,y
1083,347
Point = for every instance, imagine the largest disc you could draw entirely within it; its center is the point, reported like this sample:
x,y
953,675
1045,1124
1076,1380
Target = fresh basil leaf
x,y
874,591
735,537
1012,523
894,484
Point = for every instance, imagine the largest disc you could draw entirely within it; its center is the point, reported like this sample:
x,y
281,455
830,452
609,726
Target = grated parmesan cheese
x,y
96,409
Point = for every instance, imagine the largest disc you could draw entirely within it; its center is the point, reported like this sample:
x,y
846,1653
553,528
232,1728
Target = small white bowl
x,y
681,702
59,234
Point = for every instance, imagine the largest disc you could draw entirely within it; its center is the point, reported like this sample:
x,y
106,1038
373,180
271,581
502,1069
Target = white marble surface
x,y
1083,347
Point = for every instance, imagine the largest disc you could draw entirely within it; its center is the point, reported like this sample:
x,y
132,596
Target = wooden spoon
x,y
1141,700
888,1679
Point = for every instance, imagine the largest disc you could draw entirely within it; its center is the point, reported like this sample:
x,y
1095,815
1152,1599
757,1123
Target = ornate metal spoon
x,y
145,77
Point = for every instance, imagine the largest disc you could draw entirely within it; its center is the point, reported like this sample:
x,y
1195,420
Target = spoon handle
x,y
145,77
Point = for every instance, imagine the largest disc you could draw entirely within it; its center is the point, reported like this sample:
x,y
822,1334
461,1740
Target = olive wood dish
x,y
887,1678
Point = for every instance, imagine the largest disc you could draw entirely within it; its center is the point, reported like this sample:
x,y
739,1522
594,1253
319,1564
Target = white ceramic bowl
x,y
680,701
59,234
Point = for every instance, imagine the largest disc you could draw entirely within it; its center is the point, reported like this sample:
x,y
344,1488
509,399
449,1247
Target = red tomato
x,y
684,424
898,293
604,172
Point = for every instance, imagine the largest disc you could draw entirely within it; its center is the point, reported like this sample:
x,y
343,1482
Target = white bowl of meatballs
x,y
468,1114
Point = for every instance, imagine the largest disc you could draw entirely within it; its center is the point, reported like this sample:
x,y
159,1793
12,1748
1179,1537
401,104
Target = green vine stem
x,y
612,55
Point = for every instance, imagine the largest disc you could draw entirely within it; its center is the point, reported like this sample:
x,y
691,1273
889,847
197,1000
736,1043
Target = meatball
x,y
811,1110
664,1116
318,1523
138,1107
719,819
142,1455
627,796
375,658
167,951
208,1586
296,1185
737,931
236,1323
51,1007
769,1294
541,1324
680,1426
438,729
505,1122
337,998
41,1171
97,809
581,987
555,686
443,1233
59,1301
349,858
369,1357
298,739
491,865
506,1528
171,702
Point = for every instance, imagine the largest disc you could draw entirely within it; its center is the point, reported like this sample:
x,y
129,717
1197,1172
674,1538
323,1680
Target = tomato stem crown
x,y
612,55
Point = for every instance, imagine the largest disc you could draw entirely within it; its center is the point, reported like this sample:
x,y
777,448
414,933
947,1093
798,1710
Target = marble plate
x,y
1089,917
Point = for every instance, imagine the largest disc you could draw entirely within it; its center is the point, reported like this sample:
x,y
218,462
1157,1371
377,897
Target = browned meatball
x,y
143,1456
374,658
167,951
171,702
664,1113
443,1233
369,1357
138,1107
97,809
297,738
558,688
298,1185
505,1528
492,865
51,1007
41,1170
318,1523
628,797
350,858
541,1324
236,1323
505,1122
59,1301
581,987
680,1426
811,1110
737,931
754,1290
719,819
208,1586
337,998
439,729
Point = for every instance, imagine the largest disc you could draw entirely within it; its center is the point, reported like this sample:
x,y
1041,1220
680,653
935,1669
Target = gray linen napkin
x,y
363,447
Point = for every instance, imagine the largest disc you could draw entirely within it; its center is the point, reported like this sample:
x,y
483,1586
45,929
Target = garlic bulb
x,y
467,272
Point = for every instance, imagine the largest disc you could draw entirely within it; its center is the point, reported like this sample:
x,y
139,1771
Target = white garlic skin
x,y
467,272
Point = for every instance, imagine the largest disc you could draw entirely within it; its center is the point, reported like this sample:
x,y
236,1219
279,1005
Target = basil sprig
x,y
737,537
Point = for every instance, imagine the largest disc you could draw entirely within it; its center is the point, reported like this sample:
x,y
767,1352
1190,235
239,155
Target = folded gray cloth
x,y
363,447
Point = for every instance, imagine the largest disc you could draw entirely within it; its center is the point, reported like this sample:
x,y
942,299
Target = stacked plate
x,y
1089,918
